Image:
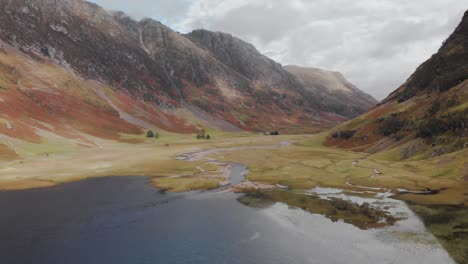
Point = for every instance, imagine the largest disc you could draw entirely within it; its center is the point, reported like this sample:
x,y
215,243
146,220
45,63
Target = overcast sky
x,y
376,44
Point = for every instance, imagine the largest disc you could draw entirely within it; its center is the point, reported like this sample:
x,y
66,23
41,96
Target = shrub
x,y
453,101
434,109
149,134
345,134
432,127
208,137
391,125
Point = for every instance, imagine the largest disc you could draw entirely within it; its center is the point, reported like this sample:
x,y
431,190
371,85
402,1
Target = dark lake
x,y
125,220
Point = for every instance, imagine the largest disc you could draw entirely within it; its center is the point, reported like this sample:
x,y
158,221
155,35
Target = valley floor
x,y
303,163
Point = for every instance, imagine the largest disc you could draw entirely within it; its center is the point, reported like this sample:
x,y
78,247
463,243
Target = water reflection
x,y
124,220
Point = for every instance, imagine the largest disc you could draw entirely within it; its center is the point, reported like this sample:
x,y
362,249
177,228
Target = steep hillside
x,y
150,62
426,117
245,59
316,86
41,102
74,70
333,89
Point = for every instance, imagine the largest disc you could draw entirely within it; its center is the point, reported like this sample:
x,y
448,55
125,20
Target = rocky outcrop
x,y
244,58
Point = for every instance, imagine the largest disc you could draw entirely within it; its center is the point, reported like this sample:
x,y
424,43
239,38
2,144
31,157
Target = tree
x,y
208,137
149,134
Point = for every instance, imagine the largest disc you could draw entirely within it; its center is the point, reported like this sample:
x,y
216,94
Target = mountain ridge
x,y
142,75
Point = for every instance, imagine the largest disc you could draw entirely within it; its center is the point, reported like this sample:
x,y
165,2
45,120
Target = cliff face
x,y
427,116
324,89
244,59
144,74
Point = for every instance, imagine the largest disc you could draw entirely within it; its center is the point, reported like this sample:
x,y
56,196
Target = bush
x,y
208,137
453,101
345,134
150,134
391,125
432,127
434,109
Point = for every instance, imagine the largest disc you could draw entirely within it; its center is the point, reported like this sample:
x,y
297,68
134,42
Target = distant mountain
x,y
427,116
245,59
332,89
74,68
319,87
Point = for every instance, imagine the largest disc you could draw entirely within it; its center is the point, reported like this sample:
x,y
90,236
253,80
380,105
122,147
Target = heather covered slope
x,y
41,103
153,64
426,117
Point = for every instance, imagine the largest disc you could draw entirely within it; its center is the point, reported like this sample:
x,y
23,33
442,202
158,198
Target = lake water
x,y
125,220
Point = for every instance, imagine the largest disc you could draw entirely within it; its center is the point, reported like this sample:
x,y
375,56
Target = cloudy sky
x,y
376,44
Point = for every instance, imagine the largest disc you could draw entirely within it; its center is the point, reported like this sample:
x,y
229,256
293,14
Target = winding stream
x,y
125,220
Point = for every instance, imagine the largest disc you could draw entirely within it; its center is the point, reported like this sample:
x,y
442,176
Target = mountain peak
x,y
206,75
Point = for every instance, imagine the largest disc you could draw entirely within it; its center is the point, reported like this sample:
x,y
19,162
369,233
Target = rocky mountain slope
x,y
67,64
427,116
332,89
317,87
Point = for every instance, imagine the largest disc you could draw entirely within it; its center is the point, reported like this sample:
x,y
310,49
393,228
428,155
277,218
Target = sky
x,y
375,44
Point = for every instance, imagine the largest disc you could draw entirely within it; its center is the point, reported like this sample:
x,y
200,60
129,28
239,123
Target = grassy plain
x,y
50,163
304,163
307,163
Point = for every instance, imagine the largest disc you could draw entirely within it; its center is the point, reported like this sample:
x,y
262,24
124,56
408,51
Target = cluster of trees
x,y
345,134
391,125
431,125
436,126
273,133
151,134
202,135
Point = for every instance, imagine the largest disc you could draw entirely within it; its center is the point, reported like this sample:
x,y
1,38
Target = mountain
x,y
427,116
245,59
333,89
73,69
316,86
